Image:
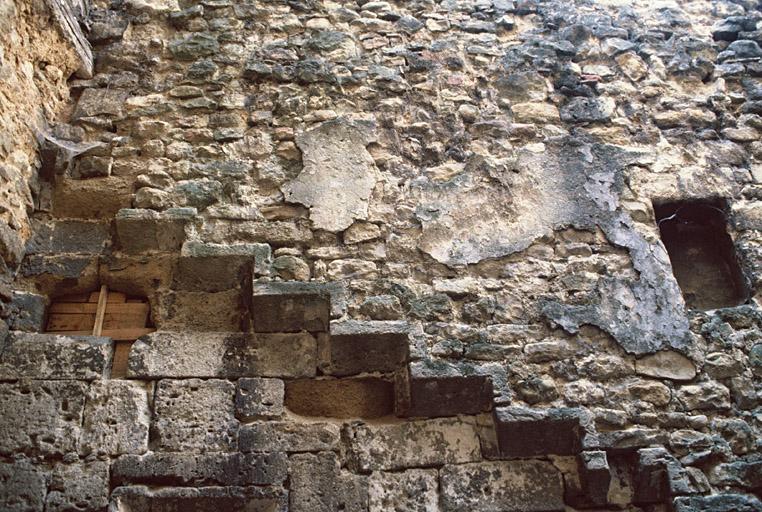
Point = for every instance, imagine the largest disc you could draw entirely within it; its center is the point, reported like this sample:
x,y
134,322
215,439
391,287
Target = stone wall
x,y
400,256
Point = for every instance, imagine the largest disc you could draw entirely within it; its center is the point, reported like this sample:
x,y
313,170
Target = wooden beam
x,y
100,313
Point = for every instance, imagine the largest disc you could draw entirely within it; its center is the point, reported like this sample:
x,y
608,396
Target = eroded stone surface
x,y
117,418
414,490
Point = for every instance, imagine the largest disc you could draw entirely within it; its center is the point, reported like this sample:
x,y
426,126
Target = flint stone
x,y
205,499
80,487
117,418
288,437
55,357
666,364
588,110
525,432
740,473
338,175
317,484
41,417
199,470
23,487
519,485
437,389
96,102
412,444
718,503
11,246
194,46
68,236
358,347
414,490
141,230
194,415
226,355
259,398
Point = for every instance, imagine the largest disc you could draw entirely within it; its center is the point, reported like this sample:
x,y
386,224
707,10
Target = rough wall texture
x,y
400,255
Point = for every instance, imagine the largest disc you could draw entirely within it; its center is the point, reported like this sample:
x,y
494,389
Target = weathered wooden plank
x,y
67,14
100,313
91,308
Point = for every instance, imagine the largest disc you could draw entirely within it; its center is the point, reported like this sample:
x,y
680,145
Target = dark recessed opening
x,y
702,253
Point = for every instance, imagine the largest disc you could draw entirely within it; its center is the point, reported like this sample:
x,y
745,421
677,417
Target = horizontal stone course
x,y
205,499
225,355
289,436
55,357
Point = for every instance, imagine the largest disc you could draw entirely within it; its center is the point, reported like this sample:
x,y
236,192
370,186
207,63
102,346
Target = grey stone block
x,y
55,357
211,273
117,418
510,486
11,246
334,292
225,355
360,347
61,267
27,312
291,312
22,486
80,487
414,490
658,477
289,437
256,398
436,389
719,503
194,414
525,432
260,253
41,417
595,478
68,236
317,484
416,444
199,470
205,499
141,231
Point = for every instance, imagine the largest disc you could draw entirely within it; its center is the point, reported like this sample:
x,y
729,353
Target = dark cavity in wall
x,y
703,257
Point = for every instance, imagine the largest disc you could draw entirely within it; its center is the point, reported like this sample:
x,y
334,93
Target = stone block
x,y
412,444
718,503
341,398
27,312
260,253
211,273
595,479
259,398
226,355
525,432
666,365
291,312
658,477
288,436
55,357
505,486
68,236
705,396
60,269
41,417
436,389
317,484
23,486
199,311
740,473
11,245
273,298
80,487
96,102
414,490
141,231
194,414
628,439
205,499
117,418
365,347
199,470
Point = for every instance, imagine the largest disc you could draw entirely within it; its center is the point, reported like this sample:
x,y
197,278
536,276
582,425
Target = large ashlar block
x,y
41,417
223,355
117,418
318,484
55,357
205,499
289,436
524,432
412,444
295,306
436,389
341,398
141,231
505,486
194,415
23,486
364,347
78,487
199,470
414,490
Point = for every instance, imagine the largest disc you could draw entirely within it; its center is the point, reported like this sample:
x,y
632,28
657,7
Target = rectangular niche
x,y
702,253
